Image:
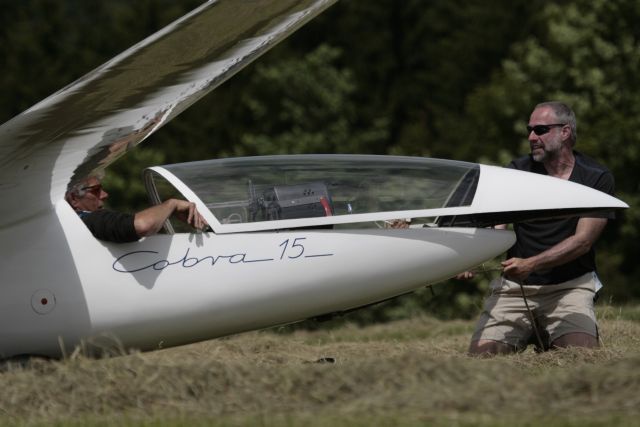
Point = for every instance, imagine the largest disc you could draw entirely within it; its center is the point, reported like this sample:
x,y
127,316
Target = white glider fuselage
x,y
168,290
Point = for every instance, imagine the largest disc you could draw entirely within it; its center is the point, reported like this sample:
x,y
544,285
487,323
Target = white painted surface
x,y
178,295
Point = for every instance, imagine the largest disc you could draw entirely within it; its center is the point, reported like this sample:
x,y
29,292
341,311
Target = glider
x,y
292,237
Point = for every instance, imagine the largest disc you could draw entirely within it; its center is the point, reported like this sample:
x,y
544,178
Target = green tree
x,y
304,106
47,44
416,61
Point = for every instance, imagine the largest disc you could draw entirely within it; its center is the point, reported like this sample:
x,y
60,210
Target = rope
x,y
532,319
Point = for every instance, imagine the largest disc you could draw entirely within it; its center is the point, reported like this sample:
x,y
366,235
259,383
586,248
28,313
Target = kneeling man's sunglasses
x,y
542,129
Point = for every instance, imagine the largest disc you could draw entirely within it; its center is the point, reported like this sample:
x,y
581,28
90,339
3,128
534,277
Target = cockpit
x,y
277,192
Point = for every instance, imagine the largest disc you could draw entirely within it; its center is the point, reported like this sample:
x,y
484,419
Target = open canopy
x,y
317,189
243,194
276,192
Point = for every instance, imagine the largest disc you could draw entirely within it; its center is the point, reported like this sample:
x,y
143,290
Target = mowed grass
x,y
410,372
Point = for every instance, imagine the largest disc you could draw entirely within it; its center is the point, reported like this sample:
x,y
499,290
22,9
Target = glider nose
x,y
509,190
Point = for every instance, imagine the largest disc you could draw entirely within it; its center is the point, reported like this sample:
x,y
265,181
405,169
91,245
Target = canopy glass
x,y
273,188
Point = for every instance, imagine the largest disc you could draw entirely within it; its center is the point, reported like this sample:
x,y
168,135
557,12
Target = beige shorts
x,y
557,309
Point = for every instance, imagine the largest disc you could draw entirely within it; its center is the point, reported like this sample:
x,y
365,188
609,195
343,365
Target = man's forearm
x,y
587,232
151,220
569,249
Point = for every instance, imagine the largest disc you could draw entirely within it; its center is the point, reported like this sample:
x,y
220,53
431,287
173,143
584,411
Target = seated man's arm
x,y
151,220
587,232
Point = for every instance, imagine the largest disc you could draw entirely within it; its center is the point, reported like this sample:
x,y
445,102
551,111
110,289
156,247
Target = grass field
x,y
410,372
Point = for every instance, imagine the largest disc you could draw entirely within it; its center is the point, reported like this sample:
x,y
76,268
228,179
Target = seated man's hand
x,y
187,212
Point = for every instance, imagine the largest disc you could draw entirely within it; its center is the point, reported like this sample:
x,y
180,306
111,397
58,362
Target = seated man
x,y
87,199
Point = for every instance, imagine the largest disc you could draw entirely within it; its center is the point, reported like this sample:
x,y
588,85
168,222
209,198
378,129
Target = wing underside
x,y
87,125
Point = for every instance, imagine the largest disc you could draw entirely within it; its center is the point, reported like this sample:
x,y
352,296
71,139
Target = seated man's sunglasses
x,y
542,129
94,189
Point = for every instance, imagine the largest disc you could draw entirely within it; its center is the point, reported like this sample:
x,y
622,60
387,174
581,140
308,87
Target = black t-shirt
x,y
534,237
111,226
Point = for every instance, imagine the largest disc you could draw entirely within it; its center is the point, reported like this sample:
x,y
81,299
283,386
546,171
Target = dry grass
x,y
411,372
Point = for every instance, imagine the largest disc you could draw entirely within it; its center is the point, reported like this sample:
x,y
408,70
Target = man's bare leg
x,y
576,339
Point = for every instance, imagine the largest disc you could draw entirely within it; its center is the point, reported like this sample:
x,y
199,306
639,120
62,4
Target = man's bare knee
x,y
576,339
489,348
